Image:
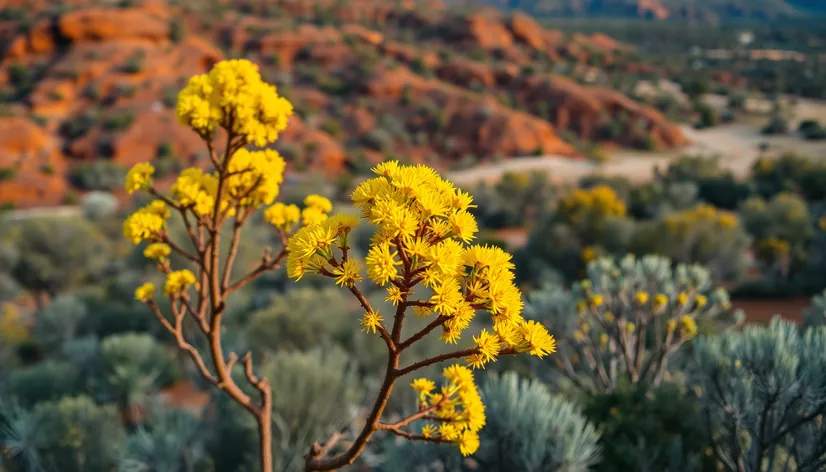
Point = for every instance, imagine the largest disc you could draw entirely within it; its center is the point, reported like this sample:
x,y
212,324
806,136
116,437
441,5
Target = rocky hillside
x,y
89,89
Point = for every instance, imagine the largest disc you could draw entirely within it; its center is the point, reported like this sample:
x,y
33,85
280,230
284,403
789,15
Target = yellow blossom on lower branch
x,y
371,321
157,251
457,406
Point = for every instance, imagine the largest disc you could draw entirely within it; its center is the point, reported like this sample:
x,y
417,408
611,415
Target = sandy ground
x,y
737,145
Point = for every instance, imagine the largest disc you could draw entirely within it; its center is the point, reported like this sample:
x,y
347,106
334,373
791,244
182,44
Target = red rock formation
x,y
101,24
34,159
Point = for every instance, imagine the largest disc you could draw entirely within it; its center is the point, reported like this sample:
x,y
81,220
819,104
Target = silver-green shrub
x,y
625,321
762,390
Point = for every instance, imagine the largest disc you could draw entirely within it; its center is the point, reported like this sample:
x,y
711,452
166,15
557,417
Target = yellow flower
x,y
282,216
609,317
424,387
232,95
630,327
488,345
318,202
688,326
394,295
737,363
157,251
660,301
428,431
347,274
139,177
469,442
682,298
381,264
145,292
255,177
312,216
641,298
597,300
464,225
178,281
535,339
146,223
700,300
371,321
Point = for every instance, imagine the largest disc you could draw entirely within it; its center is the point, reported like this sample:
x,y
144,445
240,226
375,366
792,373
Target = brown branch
x,y
417,437
233,250
177,332
266,265
440,358
440,320
391,345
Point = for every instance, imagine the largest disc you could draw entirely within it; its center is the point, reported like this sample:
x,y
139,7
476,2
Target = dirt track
x,y
737,145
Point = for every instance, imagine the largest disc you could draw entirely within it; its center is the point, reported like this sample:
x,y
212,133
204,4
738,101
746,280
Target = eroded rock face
x,y
102,84
102,24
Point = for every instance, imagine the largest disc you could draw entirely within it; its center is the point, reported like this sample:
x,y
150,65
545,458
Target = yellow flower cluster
x,y
682,223
233,96
424,224
316,209
311,248
139,177
196,190
145,292
458,406
282,216
157,251
178,281
148,223
596,202
255,177
687,326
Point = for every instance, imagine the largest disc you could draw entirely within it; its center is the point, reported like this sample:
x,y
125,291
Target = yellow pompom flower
x,y
145,292
255,177
312,216
382,264
146,223
282,216
428,431
347,274
371,321
317,201
535,339
178,281
641,298
139,177
688,326
469,442
700,300
609,317
488,345
233,96
597,300
157,251
424,387
682,298
660,301
197,190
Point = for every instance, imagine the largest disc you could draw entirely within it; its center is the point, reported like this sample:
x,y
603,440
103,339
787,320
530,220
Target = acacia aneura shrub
x,y
421,247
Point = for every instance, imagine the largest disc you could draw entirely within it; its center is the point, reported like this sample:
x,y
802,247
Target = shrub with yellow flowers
x,y
422,246
630,317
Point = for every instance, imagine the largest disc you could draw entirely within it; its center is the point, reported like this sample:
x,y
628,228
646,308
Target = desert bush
x,y
815,314
56,254
626,320
790,173
100,175
46,381
529,429
702,235
660,429
173,441
423,229
99,205
762,390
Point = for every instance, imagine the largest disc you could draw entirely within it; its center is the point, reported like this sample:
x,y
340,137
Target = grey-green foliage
x,y
592,364
8,259
785,217
76,435
314,394
815,315
57,253
528,429
134,367
60,322
18,438
763,390
174,441
46,381
302,318
99,205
